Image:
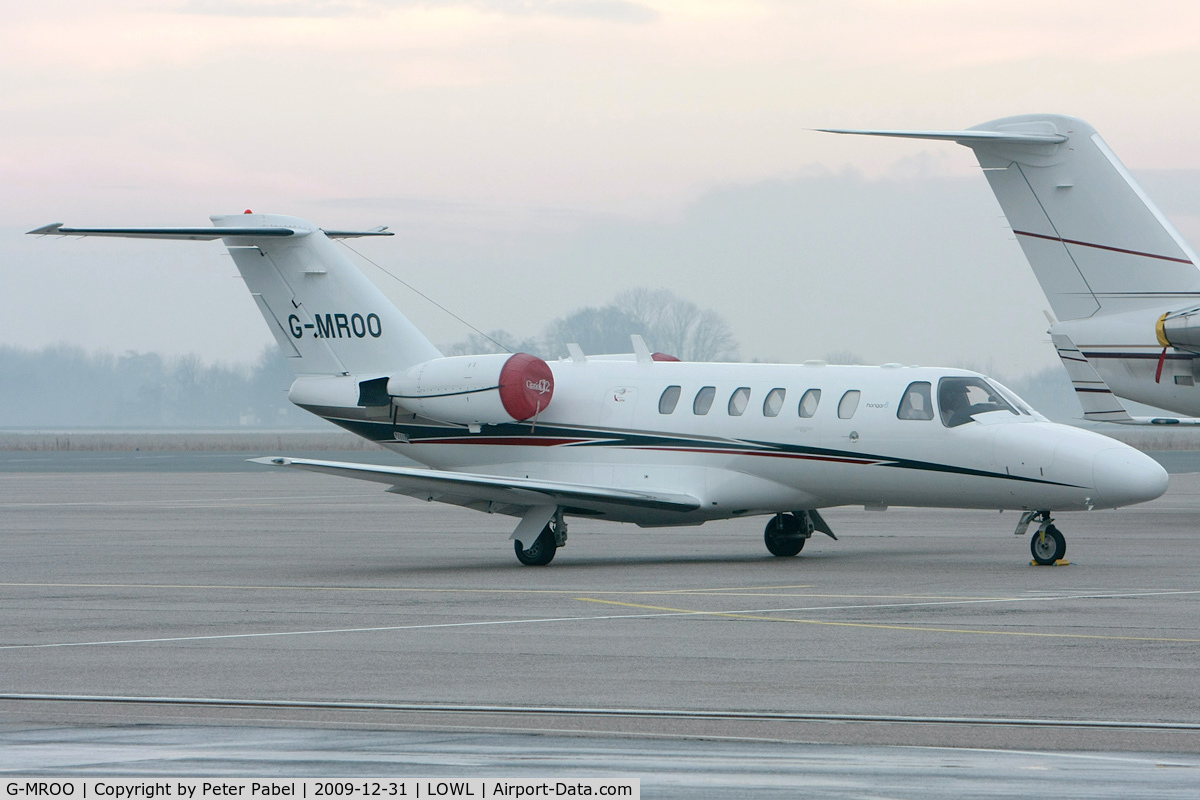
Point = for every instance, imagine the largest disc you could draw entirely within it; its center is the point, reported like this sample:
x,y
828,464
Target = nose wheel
x,y
1048,545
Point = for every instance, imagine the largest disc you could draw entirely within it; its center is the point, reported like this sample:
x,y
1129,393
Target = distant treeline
x,y
66,387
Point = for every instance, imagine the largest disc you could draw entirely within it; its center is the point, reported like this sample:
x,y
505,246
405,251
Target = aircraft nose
x,y
1123,476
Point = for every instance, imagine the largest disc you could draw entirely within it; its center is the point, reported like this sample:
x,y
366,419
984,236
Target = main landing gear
x,y
786,533
542,551
1047,545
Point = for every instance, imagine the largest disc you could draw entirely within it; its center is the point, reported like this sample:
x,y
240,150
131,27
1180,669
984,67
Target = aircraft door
x,y
617,407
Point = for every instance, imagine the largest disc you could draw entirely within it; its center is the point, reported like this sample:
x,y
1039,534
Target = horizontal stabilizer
x,y
197,234
999,137
464,488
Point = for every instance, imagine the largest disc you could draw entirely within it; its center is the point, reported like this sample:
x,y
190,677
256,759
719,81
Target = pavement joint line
x,y
171,504
752,614
757,615
661,713
268,634
927,599
447,590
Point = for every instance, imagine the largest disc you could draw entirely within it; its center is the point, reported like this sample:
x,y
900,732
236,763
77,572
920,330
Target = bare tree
x,y
677,326
596,330
497,341
843,357
668,323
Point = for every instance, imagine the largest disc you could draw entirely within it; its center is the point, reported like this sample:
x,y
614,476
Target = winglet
x,y
45,230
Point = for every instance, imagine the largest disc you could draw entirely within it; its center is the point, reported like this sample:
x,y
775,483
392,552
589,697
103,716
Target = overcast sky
x,y
536,156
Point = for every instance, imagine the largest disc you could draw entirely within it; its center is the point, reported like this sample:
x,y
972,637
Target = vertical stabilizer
x,y
326,315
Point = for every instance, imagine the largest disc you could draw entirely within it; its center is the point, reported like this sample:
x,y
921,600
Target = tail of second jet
x,y
1096,242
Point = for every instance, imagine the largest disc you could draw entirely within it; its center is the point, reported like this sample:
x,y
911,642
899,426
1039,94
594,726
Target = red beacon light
x,y
247,211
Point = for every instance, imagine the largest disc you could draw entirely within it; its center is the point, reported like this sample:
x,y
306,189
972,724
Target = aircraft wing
x,y
1098,401
492,492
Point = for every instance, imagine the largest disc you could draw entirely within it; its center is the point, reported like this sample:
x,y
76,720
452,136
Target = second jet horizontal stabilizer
x,y
963,137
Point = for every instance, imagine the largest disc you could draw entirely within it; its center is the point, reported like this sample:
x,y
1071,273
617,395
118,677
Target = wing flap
x,y
461,488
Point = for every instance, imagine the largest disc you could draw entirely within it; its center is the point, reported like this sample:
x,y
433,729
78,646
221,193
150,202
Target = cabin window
x,y
704,400
774,402
849,404
669,399
917,402
738,401
961,399
809,403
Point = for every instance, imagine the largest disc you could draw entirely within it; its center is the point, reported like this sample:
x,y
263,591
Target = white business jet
x,y
645,438
1121,280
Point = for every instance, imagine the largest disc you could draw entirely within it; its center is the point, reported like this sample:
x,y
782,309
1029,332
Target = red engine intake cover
x,y
526,386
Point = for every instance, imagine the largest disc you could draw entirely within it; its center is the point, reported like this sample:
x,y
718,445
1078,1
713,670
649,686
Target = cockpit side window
x,y
917,402
704,400
961,399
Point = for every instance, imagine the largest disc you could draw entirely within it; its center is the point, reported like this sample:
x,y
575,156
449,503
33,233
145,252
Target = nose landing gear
x,y
1047,545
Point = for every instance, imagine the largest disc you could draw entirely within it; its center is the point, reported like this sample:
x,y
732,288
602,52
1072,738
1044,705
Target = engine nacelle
x,y
473,390
1180,329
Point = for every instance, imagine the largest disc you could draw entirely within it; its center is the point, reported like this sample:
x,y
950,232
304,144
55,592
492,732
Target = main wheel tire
x,y
782,535
1049,548
542,551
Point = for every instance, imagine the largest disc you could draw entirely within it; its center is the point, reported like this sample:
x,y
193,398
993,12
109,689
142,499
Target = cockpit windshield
x,y
961,399
1012,398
